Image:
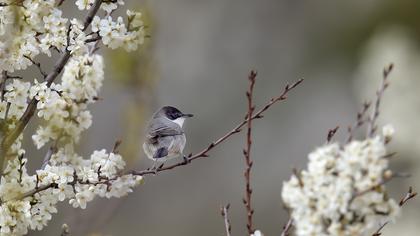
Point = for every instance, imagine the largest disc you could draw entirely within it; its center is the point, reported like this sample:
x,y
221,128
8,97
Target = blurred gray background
x,y
197,58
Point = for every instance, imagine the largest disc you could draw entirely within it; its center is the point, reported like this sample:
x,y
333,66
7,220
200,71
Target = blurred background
x,y
197,58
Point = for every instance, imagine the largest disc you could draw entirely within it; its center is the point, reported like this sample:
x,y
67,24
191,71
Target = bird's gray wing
x,y
160,127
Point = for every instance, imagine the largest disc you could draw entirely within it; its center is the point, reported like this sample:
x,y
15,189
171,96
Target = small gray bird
x,y
165,138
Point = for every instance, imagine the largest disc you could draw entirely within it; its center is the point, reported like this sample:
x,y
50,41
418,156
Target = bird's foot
x,y
186,160
157,168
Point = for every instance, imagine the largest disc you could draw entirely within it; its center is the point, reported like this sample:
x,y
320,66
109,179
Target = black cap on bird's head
x,y
171,113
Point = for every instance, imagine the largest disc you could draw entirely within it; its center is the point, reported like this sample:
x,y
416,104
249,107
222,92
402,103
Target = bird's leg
x,y
155,166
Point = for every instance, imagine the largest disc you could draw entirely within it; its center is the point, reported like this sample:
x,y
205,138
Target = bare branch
x,y
235,130
409,195
38,65
224,211
379,94
287,227
360,120
51,151
378,232
3,84
331,133
247,153
60,2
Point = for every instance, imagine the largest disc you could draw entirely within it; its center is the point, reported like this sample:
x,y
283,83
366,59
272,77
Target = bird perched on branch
x,y
165,138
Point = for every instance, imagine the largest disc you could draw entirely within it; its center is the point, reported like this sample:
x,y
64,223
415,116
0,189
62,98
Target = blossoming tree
x,y
29,28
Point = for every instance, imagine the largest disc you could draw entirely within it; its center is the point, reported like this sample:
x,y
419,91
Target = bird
x,y
165,138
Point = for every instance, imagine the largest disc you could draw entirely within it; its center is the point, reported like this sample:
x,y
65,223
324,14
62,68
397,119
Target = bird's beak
x,y
187,115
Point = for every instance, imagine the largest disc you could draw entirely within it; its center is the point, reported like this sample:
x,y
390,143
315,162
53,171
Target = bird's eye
x,y
172,115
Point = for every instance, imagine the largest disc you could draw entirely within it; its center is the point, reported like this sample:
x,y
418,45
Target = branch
x,y
331,133
224,211
409,195
236,129
3,84
360,120
37,190
38,65
385,179
247,153
287,227
379,94
51,151
10,138
60,2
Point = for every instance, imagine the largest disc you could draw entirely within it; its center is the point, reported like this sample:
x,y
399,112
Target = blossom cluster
x,y
29,28
64,106
28,201
32,27
341,191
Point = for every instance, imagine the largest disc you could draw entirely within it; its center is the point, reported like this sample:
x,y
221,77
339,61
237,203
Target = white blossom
x,y
84,4
257,233
332,196
115,34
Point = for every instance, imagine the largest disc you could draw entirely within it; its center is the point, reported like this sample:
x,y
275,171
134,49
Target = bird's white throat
x,y
179,121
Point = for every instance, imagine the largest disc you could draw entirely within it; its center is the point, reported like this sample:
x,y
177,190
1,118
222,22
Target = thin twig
x,y
287,227
37,190
360,120
235,130
379,94
247,154
224,211
409,195
331,133
38,65
3,84
385,179
60,2
378,232
51,151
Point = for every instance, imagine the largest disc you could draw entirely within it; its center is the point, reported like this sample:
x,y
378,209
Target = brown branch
x,y
60,2
385,179
236,129
378,232
360,120
379,94
224,211
247,154
331,133
38,65
51,151
94,39
287,227
409,195
10,138
3,84
37,190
